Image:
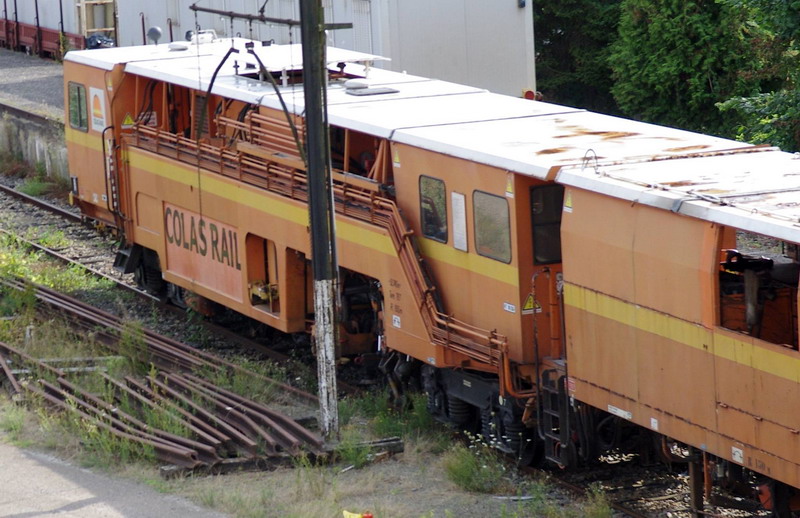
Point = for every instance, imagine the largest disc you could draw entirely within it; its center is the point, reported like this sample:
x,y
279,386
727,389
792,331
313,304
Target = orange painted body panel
x,y
197,245
653,347
85,146
167,184
463,274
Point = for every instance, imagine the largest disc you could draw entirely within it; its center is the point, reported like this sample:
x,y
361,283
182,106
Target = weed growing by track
x,y
477,467
18,261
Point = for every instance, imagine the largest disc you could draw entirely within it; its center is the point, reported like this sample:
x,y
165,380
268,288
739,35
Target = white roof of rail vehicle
x,y
716,179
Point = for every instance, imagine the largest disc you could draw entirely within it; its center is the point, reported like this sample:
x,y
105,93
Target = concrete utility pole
x,y
320,196
320,207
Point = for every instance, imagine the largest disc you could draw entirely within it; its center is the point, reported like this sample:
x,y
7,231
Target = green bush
x,y
478,468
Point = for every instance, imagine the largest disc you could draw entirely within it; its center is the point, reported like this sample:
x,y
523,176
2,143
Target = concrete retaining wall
x,y
34,139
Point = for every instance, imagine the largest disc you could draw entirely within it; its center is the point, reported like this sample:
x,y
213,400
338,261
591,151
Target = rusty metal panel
x,y
596,241
676,378
672,270
203,250
593,355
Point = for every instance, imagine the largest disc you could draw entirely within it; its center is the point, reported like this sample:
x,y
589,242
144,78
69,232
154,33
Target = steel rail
x,y
214,328
157,347
55,209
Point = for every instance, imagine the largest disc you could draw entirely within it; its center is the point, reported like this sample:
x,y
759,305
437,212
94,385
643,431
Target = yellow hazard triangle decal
x,y
128,122
531,306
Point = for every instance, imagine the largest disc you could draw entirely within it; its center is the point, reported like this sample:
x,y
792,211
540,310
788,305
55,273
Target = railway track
x,y
104,256
193,453
223,424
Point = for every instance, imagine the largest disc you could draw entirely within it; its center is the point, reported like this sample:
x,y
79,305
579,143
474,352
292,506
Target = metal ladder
x,y
554,426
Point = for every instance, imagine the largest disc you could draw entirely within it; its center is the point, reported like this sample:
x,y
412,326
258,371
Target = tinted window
x,y
546,204
78,117
433,208
492,226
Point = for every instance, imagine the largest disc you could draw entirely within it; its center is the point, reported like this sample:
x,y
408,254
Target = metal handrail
x,y
486,347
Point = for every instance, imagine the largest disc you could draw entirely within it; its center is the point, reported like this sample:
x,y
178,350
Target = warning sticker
x,y
510,185
531,306
527,306
127,122
396,158
568,202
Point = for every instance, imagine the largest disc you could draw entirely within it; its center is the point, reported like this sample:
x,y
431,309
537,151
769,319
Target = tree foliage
x,y
572,39
773,116
675,59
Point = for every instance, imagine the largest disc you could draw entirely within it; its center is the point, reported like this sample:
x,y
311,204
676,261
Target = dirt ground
x,y
407,485
410,484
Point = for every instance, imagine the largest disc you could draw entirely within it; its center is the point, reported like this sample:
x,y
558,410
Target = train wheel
x,y
148,274
176,295
525,443
462,414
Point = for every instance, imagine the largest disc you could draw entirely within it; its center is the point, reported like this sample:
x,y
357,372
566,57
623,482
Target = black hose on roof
x,y
201,120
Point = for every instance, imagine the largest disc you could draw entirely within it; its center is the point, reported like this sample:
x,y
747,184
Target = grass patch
x,y
249,381
597,504
12,421
477,468
36,187
383,420
17,260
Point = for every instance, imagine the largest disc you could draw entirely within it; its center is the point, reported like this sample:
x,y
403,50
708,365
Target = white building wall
x,y
487,44
474,42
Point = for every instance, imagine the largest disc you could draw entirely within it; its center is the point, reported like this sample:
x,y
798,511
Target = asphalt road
x,y
36,485
32,84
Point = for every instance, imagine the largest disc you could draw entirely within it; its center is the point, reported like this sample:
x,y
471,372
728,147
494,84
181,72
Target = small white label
x,y
94,197
511,308
459,205
737,455
467,383
396,321
620,412
654,423
432,360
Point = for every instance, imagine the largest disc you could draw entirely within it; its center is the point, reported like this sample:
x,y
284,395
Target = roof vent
x,y
154,33
361,87
200,37
355,84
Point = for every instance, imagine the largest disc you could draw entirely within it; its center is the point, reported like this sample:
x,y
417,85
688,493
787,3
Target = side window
x,y
546,203
758,279
433,207
492,226
78,118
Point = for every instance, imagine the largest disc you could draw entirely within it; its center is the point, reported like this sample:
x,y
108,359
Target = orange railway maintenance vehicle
x,y
557,279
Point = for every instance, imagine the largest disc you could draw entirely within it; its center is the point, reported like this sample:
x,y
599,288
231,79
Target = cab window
x,y
78,117
433,207
546,202
492,226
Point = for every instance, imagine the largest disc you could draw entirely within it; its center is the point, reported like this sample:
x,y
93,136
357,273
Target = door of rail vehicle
x,y
539,238
89,138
